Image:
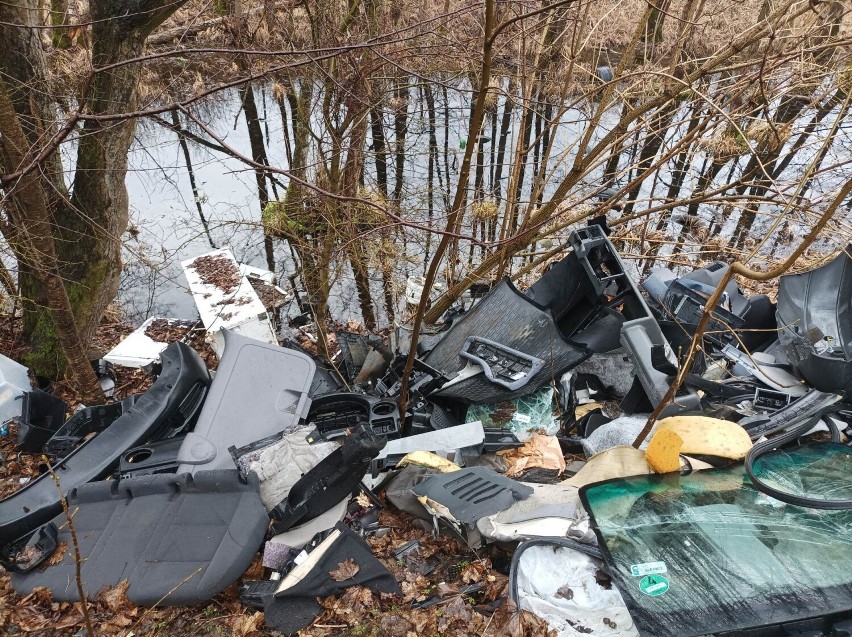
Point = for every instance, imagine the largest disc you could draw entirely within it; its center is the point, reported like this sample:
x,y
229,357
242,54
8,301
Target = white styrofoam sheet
x,y
240,310
137,349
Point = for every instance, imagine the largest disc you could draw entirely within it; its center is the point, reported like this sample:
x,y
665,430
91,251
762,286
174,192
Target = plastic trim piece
x,y
259,390
503,365
641,335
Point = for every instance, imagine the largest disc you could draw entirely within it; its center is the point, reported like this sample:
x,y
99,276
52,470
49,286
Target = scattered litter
x,y
14,381
564,586
143,346
348,493
226,299
341,560
41,415
708,436
473,493
621,431
663,453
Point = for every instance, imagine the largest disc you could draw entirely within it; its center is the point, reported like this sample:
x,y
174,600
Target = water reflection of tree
x,y
705,125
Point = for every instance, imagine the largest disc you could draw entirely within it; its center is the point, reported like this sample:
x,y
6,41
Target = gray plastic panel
x,y
471,494
509,318
176,539
259,390
815,321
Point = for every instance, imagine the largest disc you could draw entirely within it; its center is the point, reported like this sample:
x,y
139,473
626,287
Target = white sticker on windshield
x,y
648,568
522,418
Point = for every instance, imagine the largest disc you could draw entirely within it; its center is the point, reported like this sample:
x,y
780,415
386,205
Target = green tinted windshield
x,y
706,552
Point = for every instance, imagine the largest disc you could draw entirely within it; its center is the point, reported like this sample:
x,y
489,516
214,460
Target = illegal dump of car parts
x,y
509,486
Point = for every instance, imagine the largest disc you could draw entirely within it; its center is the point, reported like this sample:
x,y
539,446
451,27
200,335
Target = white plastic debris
x,y
226,299
137,349
559,585
442,440
267,276
14,381
762,366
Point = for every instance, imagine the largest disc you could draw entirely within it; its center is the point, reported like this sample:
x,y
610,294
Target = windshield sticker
x,y
654,585
648,568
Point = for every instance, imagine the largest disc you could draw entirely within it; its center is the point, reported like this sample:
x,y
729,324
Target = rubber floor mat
x,y
507,317
177,539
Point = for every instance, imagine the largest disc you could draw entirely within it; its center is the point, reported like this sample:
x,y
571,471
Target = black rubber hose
x,y
763,448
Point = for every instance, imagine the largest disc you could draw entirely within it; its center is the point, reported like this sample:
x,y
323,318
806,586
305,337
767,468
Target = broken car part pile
x,y
733,514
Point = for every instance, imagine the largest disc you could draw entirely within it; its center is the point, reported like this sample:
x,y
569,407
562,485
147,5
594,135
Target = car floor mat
x,y
164,407
259,390
175,539
473,493
507,317
815,321
293,605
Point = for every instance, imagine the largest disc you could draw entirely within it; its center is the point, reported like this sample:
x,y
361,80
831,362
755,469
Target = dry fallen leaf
x,y
395,625
58,554
243,625
115,597
344,571
565,592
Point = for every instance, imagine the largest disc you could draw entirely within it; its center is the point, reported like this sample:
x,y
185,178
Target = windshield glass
x,y
707,552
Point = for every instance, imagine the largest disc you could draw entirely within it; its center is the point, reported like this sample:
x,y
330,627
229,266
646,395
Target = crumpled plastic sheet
x,y
521,416
559,585
621,431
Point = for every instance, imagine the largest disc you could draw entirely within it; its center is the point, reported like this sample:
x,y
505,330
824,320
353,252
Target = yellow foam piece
x,y
663,453
429,460
708,436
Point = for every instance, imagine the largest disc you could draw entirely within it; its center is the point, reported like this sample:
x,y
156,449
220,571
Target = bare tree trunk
x,y
400,128
380,149
33,241
196,194
88,228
